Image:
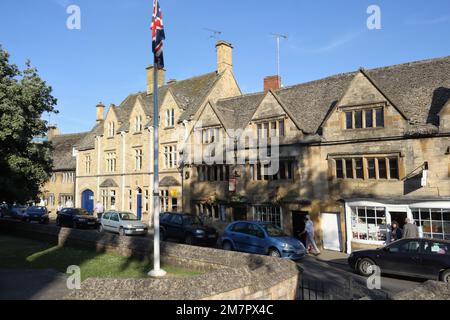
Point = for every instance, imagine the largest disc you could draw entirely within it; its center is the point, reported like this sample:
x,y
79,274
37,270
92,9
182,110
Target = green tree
x,y
24,97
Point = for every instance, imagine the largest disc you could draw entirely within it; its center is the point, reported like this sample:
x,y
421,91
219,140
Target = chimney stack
x,y
272,83
224,56
53,131
100,112
151,78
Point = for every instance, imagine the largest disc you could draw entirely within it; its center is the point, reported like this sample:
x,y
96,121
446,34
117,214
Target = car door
x,y
403,258
114,222
106,221
176,227
434,256
63,217
239,235
255,239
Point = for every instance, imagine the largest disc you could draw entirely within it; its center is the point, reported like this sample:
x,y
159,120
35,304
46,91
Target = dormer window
x,y
170,118
111,129
138,124
364,119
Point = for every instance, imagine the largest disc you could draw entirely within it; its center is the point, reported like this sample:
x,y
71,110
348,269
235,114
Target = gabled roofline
x,y
205,98
382,92
288,112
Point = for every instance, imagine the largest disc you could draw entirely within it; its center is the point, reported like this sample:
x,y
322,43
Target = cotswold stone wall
x,y
227,275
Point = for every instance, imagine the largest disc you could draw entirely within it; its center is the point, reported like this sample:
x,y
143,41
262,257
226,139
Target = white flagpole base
x,y
157,273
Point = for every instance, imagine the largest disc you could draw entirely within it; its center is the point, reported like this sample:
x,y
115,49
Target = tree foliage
x,y
24,97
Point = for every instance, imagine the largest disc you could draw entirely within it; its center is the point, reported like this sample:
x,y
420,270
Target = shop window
x,y
435,223
369,223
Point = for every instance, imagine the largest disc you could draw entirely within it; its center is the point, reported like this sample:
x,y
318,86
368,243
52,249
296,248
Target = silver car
x,y
124,223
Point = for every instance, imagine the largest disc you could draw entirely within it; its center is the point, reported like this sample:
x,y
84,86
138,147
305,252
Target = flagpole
x,y
157,272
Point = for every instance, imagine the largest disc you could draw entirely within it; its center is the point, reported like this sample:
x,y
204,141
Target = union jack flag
x,y
158,35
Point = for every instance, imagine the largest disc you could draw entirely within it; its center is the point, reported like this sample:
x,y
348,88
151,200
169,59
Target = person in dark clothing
x,y
396,233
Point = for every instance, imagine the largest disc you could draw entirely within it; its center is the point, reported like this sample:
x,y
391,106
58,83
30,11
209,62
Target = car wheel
x,y
188,240
122,232
162,235
58,223
74,225
445,276
227,246
100,229
274,253
364,267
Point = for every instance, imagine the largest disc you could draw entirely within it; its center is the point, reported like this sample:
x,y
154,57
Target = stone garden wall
x,y
226,275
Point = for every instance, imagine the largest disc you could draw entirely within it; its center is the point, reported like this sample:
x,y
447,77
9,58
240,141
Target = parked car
x,y
76,218
124,223
261,238
39,214
18,212
188,229
418,258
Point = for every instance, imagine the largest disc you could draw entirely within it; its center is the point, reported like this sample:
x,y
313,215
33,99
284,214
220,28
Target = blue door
x,y
87,200
139,206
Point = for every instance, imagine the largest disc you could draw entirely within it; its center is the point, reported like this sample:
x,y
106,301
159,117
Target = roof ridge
x,y
247,95
410,63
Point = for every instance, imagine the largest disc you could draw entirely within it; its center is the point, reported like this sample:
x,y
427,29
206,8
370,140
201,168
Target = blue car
x,y
261,238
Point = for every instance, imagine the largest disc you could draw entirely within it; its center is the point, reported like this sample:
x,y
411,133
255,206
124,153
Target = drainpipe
x,y
123,134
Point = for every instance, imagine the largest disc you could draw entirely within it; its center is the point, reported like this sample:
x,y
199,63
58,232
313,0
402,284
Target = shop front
x,y
368,222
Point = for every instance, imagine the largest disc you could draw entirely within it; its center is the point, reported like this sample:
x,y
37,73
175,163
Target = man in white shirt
x,y
69,203
99,209
310,241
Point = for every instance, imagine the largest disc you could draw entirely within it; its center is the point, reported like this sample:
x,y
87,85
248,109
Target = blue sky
x,y
106,59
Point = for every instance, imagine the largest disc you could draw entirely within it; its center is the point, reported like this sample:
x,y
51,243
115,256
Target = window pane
x,y
379,118
371,168
339,169
282,170
281,128
369,118
382,171
349,120
358,119
393,168
359,168
349,168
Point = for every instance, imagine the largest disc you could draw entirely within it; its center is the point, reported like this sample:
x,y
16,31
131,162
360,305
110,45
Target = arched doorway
x,y
87,200
139,204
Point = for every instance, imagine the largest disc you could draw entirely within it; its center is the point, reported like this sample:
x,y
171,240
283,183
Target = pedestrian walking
x,y
396,233
410,231
69,203
99,209
59,208
310,241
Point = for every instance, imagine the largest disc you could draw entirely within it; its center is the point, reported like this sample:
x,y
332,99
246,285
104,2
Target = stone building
x,y
114,160
60,189
356,152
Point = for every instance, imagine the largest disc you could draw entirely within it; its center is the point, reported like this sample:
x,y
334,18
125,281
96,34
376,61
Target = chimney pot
x,y
224,56
100,112
53,131
272,83
151,80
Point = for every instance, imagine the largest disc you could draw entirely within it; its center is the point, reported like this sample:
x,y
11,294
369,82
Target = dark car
x,y
261,238
418,258
38,214
18,212
187,228
76,218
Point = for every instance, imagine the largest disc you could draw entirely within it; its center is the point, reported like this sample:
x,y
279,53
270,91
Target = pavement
x,y
32,285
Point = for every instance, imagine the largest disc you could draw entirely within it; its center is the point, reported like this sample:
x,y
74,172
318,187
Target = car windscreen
x,y
125,216
273,231
192,221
